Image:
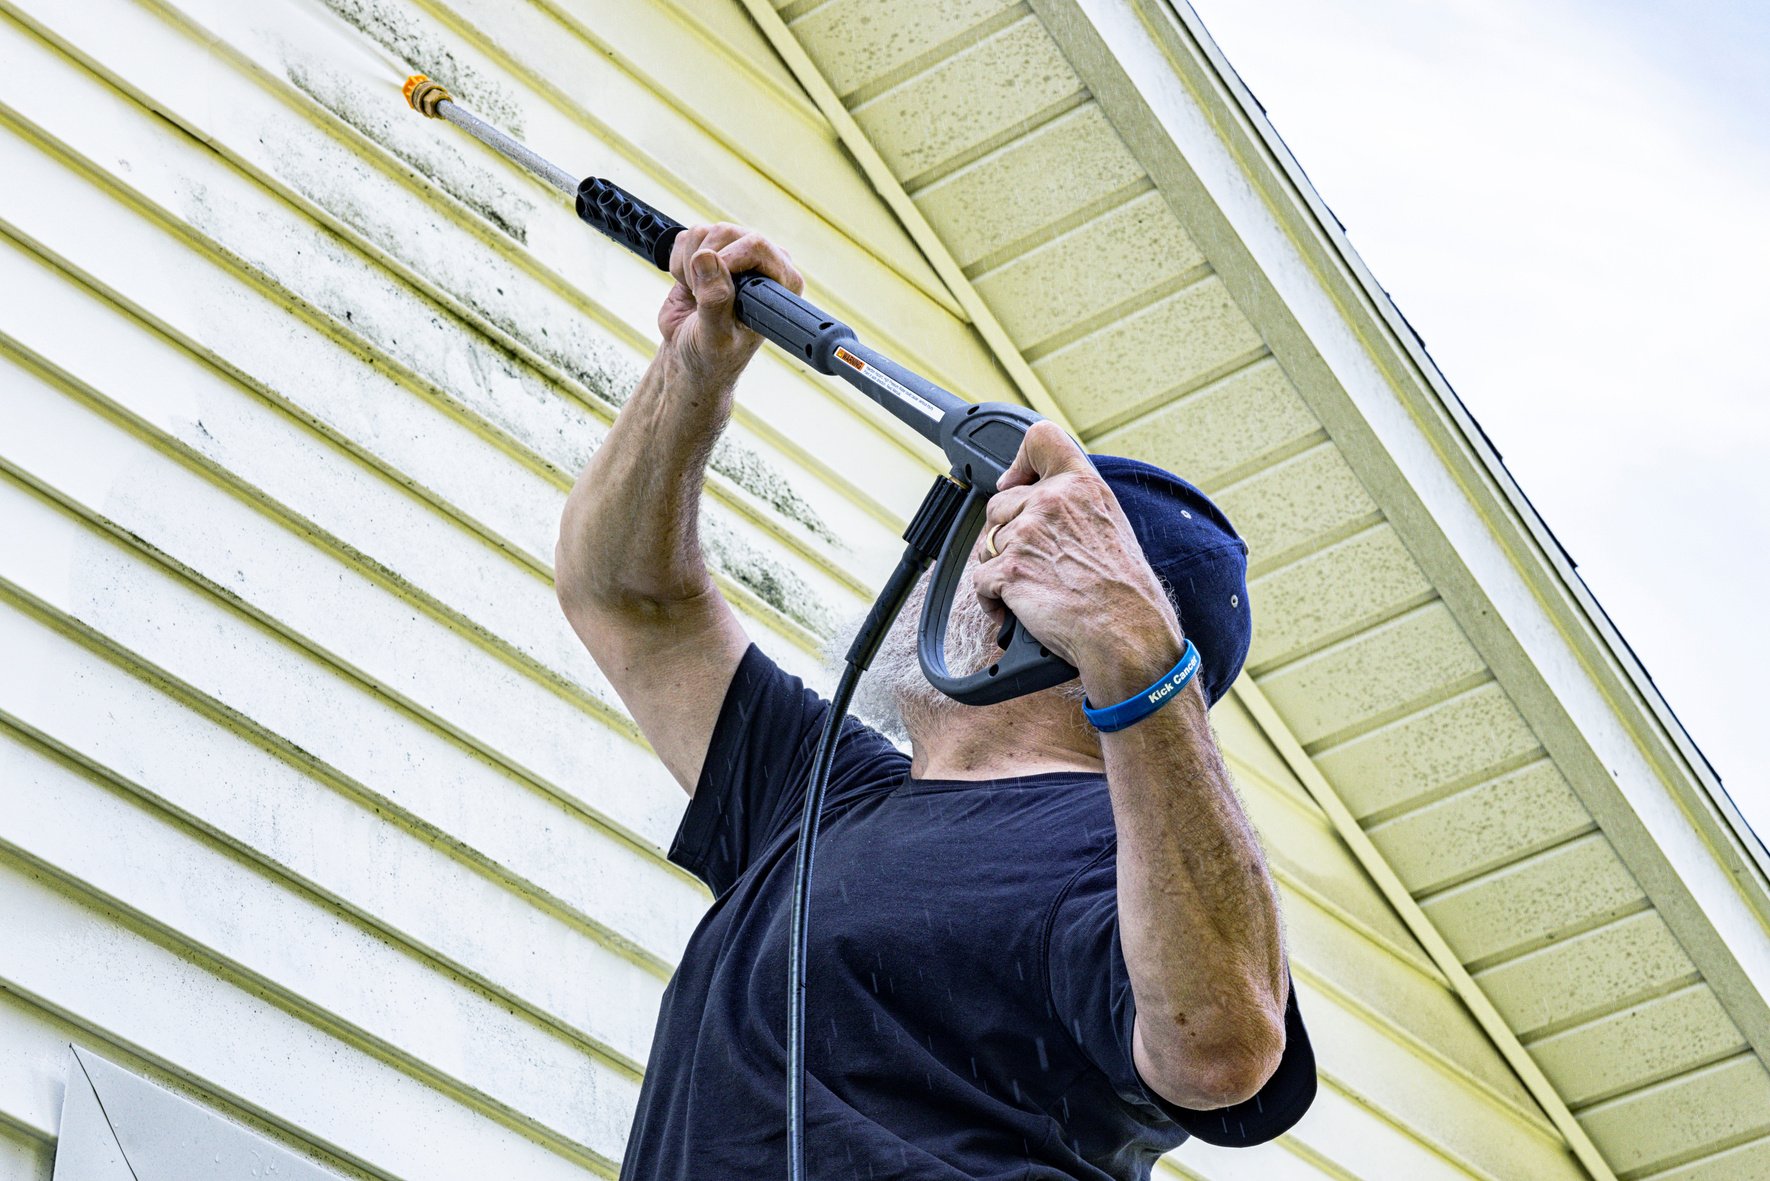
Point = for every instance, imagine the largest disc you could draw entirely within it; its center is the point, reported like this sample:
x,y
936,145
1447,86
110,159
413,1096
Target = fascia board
x,y
1170,94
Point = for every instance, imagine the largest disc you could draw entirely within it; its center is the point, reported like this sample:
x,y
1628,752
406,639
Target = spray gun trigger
x,y
1005,636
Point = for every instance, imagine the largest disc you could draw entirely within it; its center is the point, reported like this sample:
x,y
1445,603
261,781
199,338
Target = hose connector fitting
x,y
423,94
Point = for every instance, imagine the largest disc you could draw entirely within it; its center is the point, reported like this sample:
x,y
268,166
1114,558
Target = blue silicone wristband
x,y
1135,709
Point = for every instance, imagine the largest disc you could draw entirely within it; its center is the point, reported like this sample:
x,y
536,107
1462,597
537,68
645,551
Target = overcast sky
x,y
1570,201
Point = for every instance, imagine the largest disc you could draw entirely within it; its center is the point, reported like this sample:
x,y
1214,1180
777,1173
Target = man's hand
x,y
698,318
1069,566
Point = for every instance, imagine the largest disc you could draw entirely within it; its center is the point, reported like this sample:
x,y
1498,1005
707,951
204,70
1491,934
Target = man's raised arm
x,y
628,567
1198,912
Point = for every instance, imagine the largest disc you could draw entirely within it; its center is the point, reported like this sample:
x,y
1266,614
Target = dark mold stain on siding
x,y
374,116
395,32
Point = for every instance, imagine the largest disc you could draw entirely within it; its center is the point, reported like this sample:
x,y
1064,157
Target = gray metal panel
x,y
87,1149
117,1126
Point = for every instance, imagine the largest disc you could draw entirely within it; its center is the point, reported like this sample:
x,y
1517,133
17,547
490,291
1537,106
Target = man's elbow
x,y
1205,1074
586,583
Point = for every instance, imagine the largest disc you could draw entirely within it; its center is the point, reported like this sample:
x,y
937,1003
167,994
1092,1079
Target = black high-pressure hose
x,y
927,529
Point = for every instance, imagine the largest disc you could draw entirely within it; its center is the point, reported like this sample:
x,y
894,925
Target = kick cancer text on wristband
x,y
1134,709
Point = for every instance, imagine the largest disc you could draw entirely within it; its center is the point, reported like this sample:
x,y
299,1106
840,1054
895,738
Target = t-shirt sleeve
x,y
1091,995
752,784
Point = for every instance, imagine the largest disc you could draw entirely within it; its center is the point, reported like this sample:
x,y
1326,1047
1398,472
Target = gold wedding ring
x,y
989,540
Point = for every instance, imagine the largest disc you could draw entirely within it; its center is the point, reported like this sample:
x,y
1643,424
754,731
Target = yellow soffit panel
x,y
1039,153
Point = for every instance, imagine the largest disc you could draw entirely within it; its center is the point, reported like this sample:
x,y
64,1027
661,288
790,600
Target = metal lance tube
x,y
429,97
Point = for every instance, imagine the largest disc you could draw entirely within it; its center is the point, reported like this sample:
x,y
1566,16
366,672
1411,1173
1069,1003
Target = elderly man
x,y
1040,950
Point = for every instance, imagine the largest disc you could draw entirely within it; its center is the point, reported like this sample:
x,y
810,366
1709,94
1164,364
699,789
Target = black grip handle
x,y
763,305
795,324
1026,666
981,442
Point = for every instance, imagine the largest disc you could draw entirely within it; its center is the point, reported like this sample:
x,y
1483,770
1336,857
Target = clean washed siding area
x,y
312,809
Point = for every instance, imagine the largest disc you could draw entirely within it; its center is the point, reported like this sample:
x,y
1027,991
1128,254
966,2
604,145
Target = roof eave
x,y
1174,98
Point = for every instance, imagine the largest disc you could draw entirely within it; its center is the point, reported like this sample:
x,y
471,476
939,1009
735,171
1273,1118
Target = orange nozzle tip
x,y
411,85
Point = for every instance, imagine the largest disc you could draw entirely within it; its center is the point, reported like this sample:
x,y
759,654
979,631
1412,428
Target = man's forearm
x,y
630,533
1198,913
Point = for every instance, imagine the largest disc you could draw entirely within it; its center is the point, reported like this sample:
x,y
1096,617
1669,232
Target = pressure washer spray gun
x,y
979,440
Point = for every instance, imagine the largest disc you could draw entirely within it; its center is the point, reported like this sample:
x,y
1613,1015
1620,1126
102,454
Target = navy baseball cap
x,y
1191,544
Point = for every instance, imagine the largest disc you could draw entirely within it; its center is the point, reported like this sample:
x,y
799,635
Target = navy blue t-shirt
x,y
970,1012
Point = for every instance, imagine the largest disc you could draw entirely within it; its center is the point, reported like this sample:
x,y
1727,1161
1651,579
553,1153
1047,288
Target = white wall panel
x,y
295,740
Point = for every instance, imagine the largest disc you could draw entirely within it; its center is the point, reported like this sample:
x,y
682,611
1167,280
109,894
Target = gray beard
x,y
893,696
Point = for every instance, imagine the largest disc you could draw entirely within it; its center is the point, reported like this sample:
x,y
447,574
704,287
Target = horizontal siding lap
x,y
185,636
221,430
252,1051
326,606
1487,1136
296,949
1350,1140
1397,990
730,25
35,1052
1197,1161
418,891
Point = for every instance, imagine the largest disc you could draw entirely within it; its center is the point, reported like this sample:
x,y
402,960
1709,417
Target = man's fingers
x,y
993,532
1046,451
683,249
1005,506
712,287
989,578
753,252
739,248
691,241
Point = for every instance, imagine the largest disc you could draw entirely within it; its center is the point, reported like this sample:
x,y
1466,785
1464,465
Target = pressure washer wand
x,y
762,305
980,440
